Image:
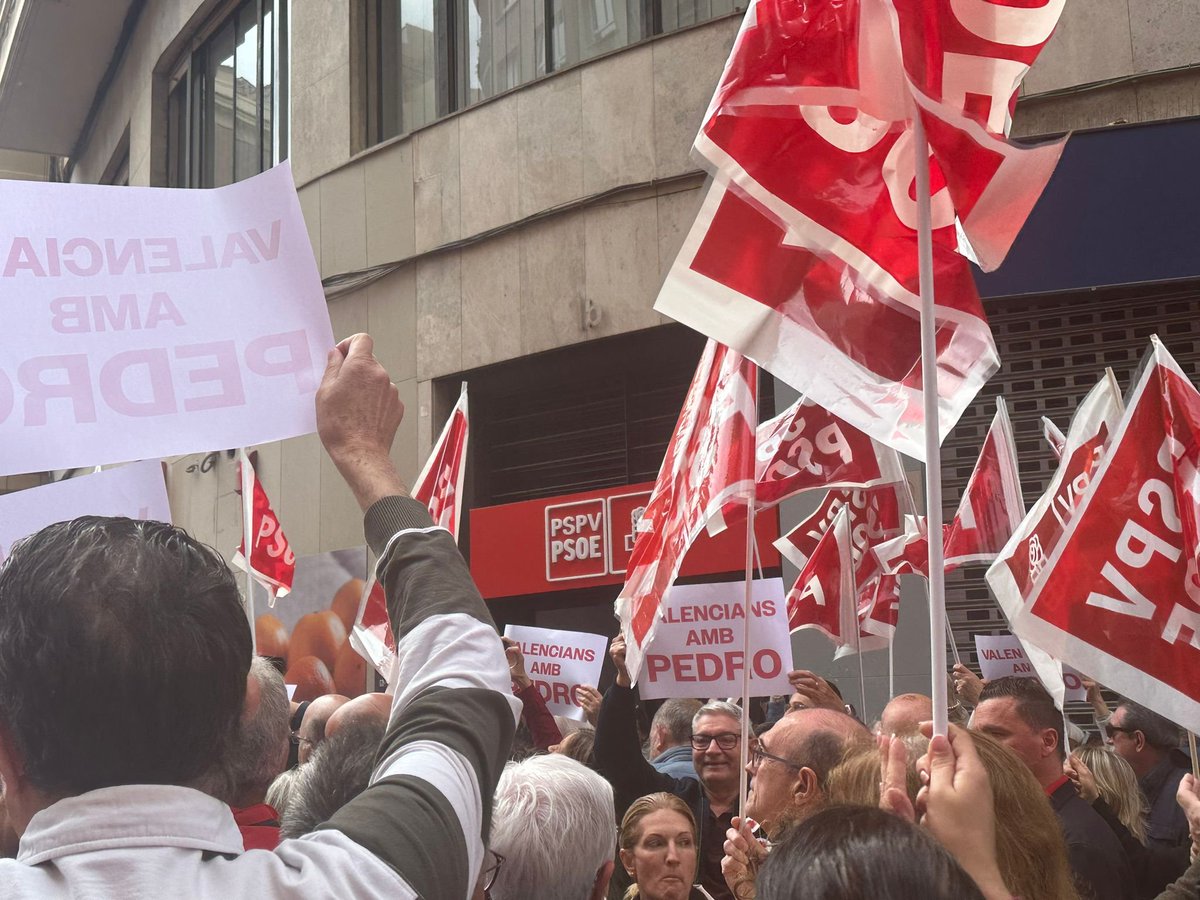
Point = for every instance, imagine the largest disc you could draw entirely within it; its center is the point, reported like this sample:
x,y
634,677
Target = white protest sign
x,y
1002,655
148,322
559,662
136,491
697,648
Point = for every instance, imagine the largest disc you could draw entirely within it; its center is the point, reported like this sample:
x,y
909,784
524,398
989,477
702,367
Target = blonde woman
x,y
1116,785
659,849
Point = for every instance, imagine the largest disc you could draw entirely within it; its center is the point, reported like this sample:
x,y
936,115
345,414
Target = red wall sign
x,y
584,540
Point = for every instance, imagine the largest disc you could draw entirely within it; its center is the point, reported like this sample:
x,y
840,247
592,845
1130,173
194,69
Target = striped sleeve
x,y
428,809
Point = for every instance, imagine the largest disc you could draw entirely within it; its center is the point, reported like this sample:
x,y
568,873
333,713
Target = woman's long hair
x,y
1118,787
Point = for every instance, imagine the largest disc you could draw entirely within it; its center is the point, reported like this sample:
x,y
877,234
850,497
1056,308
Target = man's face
x,y
772,788
1123,742
716,766
999,718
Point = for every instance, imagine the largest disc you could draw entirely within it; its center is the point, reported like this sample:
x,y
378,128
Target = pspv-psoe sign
x,y
576,540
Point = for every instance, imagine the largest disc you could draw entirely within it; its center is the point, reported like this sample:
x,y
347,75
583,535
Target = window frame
x,y
182,169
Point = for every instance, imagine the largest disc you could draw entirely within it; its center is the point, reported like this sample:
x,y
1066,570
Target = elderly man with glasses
x,y
788,768
716,755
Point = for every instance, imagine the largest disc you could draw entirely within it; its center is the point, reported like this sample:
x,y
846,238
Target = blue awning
x,y
1123,207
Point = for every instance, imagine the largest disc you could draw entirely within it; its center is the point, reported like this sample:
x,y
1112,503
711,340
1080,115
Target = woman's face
x,y
663,861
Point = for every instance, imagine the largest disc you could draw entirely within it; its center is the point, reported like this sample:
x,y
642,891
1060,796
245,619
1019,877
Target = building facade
x,y
495,190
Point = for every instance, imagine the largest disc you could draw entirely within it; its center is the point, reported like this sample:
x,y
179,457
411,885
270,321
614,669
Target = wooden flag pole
x,y
1192,750
933,465
744,778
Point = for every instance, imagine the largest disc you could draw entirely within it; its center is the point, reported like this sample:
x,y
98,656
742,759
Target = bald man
x,y
373,707
312,729
904,713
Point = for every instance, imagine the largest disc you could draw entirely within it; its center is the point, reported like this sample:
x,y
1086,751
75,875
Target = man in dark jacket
x,y
1150,744
1021,715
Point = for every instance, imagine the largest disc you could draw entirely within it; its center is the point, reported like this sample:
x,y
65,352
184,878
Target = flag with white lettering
x,y
1120,595
876,515
803,254
709,462
272,562
439,486
989,512
1012,576
823,596
807,447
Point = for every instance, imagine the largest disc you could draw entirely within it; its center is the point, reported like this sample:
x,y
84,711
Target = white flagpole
x,y
743,783
953,643
933,464
891,669
248,538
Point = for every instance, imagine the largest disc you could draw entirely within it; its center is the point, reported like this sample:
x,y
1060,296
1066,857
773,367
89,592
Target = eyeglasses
x,y
726,740
759,754
490,871
301,740
1111,730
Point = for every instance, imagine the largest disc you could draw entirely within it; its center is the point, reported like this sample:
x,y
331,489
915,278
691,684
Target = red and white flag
x,y
823,596
876,515
439,487
803,255
1120,595
878,614
990,511
709,462
272,562
1012,576
807,447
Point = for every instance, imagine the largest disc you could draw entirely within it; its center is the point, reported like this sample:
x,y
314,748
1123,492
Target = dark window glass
x,y
226,116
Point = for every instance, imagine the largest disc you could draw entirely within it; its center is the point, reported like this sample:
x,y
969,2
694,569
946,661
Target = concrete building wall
x,y
507,228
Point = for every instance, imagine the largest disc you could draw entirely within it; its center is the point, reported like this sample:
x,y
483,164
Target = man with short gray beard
x,y
258,754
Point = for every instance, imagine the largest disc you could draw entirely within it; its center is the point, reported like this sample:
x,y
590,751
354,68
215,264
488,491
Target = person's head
x,y
672,725
578,745
312,727
860,851
279,794
1019,713
124,652
855,780
373,706
337,772
1118,786
792,762
904,713
798,701
260,749
717,747
553,821
658,848
1141,737
1030,849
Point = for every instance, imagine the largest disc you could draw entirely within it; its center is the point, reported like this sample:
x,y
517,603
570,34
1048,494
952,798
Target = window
x,y
227,105
422,59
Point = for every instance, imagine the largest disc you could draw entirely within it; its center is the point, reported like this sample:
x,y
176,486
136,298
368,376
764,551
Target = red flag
x,y
804,252
272,562
1120,595
807,447
824,597
876,515
990,511
709,462
878,614
1023,558
439,486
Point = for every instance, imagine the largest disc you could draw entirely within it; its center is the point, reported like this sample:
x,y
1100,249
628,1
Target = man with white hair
x,y
716,756
258,754
554,825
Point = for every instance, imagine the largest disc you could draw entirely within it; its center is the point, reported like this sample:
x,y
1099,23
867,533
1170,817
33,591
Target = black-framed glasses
x,y
758,754
491,870
1110,730
726,740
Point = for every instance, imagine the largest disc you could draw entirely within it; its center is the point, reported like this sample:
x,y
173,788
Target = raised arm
x,y
428,809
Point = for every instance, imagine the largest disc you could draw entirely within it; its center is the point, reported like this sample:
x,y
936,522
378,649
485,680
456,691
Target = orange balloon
x,y
319,634
350,671
270,636
345,601
311,677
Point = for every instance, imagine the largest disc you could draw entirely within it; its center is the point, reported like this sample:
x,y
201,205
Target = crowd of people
x,y
145,751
